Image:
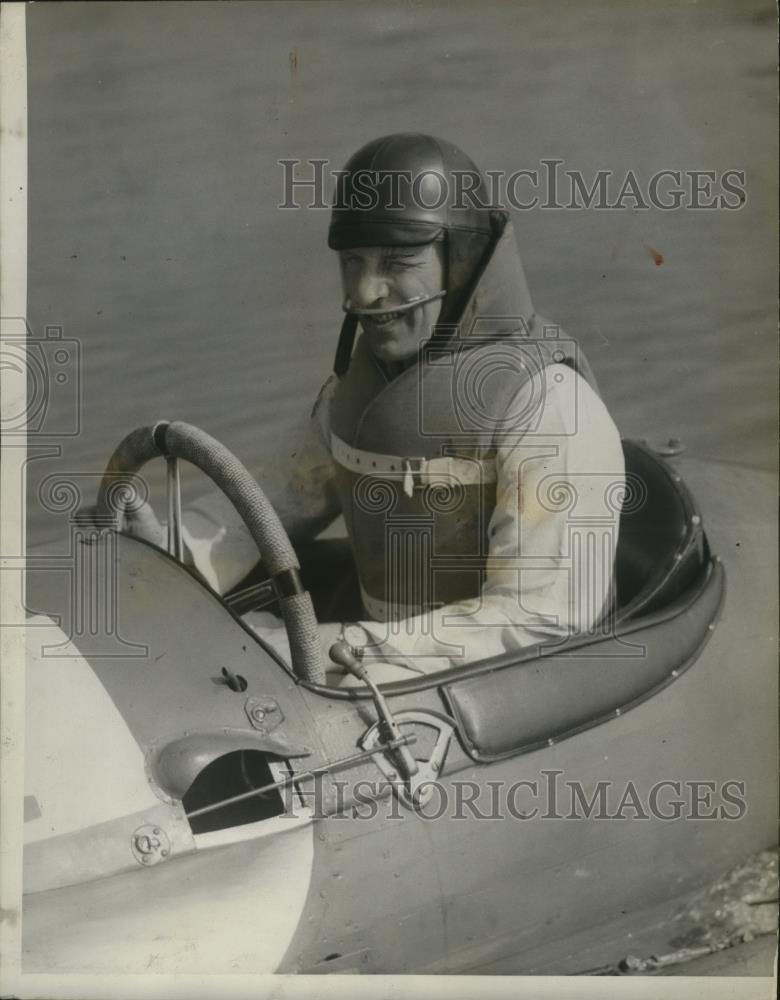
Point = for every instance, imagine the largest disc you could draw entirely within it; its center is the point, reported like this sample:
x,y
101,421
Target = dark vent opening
x,y
233,774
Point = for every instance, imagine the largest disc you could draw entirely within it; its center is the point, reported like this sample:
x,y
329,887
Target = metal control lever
x,y
418,790
343,654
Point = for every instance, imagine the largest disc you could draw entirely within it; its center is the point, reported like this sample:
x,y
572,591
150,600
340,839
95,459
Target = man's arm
x,y
552,539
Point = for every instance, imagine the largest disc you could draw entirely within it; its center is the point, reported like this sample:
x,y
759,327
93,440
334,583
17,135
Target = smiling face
x,y
386,278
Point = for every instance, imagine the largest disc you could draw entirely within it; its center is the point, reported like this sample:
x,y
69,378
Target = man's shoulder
x,y
558,405
320,411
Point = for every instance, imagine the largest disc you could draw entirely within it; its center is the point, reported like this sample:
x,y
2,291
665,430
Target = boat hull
x,y
398,892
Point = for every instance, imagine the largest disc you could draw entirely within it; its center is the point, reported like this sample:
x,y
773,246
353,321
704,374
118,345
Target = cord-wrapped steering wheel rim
x,y
185,441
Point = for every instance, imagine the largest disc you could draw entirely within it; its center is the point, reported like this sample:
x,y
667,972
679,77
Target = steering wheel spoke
x,y
175,536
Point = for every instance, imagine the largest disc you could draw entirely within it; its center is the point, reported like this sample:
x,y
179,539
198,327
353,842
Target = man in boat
x,y
462,435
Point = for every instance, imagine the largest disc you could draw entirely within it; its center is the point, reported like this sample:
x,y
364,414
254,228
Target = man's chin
x,y
388,350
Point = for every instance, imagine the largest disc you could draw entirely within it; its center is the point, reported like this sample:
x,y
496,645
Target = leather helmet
x,y
407,189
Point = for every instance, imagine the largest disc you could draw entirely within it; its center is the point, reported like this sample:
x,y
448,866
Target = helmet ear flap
x,y
467,255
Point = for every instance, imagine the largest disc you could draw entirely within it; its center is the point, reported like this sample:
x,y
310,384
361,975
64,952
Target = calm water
x,y
155,239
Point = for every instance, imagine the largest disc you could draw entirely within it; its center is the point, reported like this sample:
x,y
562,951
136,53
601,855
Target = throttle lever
x,y
344,655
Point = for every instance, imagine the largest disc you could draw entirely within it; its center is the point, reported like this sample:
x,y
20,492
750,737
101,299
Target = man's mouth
x,y
384,319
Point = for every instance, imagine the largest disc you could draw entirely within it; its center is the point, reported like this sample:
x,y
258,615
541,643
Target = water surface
x,y
155,239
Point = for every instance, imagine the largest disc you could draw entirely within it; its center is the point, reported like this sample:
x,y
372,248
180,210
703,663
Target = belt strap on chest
x,y
446,469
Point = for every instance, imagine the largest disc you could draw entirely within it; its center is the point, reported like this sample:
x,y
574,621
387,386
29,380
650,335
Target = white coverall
x,y
552,539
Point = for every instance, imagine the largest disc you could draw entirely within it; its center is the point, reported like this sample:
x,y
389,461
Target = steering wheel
x,y
179,440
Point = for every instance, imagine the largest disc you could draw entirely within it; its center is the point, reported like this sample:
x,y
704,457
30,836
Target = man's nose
x,y
371,287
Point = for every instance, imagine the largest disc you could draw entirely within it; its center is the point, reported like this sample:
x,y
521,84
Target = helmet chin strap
x,y
418,300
